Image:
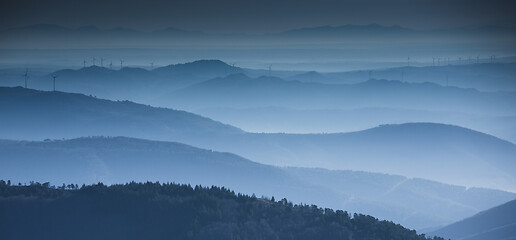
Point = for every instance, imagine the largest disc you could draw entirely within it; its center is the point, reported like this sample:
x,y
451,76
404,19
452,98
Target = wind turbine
x,y
102,62
26,75
93,61
408,61
54,80
152,65
111,64
84,63
478,58
121,63
270,70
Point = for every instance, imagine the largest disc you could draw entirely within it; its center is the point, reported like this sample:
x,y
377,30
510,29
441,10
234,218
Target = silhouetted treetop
x,y
172,211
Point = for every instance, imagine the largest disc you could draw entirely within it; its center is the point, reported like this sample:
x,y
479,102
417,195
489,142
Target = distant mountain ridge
x,y
268,91
119,82
488,75
198,71
92,36
349,31
188,86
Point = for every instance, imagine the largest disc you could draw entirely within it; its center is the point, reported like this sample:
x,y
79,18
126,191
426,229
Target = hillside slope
x,y
32,114
495,224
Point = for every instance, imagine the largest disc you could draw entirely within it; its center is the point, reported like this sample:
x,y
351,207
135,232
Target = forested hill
x,y
171,211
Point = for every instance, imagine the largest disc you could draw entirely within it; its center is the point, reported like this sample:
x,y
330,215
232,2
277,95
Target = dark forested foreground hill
x,y
170,211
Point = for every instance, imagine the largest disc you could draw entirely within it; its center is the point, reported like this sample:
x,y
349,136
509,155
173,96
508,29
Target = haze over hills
x,y
153,87
323,48
307,105
496,223
289,120
438,152
433,151
272,91
415,203
404,110
464,73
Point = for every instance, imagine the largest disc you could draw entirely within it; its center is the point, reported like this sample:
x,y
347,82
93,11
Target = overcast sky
x,y
255,16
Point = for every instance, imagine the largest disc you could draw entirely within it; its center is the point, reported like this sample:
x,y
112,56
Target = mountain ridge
x,y
495,223
415,150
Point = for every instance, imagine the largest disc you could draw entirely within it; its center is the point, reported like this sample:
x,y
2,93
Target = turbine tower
x,y
54,81
84,63
93,61
270,70
152,65
121,64
111,64
408,61
26,75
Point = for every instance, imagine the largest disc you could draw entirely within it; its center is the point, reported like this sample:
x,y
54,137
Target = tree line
x,y
174,211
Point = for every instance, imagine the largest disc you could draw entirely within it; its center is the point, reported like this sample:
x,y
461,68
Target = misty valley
x,y
332,126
